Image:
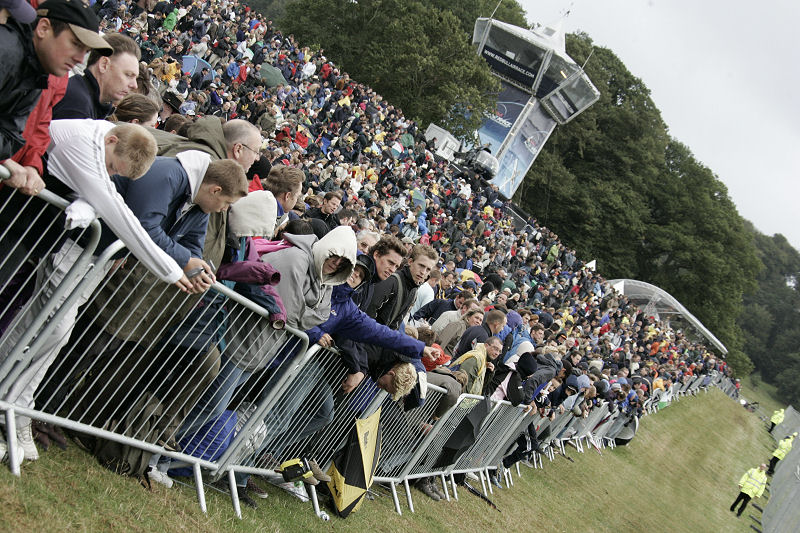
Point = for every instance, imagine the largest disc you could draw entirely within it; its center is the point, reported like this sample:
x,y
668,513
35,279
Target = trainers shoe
x,y
4,451
25,440
245,498
527,463
317,471
157,476
255,490
473,476
428,490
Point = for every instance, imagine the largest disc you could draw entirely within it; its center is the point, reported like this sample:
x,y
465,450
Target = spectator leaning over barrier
x,y
478,364
751,485
173,201
548,368
83,155
348,321
784,446
236,139
309,269
777,418
53,44
104,83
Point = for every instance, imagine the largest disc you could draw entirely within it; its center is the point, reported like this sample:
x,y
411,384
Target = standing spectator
x,y
777,418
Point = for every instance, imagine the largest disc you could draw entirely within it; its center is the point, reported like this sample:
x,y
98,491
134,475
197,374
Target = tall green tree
x,y
617,186
415,55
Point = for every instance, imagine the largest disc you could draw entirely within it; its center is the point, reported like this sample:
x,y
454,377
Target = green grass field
x,y
678,474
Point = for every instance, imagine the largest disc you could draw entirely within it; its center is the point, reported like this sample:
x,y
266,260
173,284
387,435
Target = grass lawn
x,y
678,474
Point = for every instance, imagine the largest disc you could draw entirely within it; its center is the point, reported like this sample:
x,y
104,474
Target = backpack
x,y
140,423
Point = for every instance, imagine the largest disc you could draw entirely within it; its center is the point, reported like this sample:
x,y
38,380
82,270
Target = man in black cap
x,y
104,83
56,42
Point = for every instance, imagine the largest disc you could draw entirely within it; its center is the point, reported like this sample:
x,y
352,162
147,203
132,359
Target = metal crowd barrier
x,y
40,264
146,360
429,459
311,417
493,434
404,433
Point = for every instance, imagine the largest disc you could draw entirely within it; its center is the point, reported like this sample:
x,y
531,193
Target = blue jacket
x,y
156,199
348,321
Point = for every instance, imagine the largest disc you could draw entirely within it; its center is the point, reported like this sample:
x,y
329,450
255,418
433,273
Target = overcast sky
x,y
725,75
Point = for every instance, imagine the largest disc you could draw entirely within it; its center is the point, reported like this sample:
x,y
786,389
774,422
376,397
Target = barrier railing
x,y
155,369
208,382
41,263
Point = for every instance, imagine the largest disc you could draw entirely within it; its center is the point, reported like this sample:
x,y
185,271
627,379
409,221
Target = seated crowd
x,y
413,270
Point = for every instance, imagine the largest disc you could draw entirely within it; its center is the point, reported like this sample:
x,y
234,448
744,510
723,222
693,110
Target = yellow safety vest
x,y
783,447
753,482
777,417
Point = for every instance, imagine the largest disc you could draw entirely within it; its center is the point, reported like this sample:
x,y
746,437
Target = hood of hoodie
x,y
339,241
547,359
205,135
253,216
195,163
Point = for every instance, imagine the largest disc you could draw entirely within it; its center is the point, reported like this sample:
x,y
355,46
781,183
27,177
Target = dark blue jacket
x,y
432,310
348,321
156,199
82,100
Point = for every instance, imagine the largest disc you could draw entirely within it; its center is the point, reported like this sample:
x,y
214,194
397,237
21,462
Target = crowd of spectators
x,y
411,267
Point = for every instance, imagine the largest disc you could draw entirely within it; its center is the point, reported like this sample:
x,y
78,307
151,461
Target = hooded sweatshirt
x,y
304,290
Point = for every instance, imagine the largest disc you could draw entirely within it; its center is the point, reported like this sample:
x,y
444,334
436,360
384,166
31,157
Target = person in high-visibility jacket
x,y
750,486
783,448
777,418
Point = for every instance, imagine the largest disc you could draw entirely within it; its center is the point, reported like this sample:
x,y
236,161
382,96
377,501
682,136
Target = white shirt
x,y
445,319
78,159
424,295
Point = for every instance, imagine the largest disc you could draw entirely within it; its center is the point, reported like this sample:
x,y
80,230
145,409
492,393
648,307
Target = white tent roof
x,y
656,301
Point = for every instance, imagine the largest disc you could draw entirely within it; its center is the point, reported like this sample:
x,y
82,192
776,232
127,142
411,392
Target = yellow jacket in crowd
x,y
777,417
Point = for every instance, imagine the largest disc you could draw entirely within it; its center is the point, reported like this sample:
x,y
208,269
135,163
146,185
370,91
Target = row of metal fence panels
x,y
206,381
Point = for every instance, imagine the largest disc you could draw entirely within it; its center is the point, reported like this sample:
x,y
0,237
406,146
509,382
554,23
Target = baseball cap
x,y
21,10
81,19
